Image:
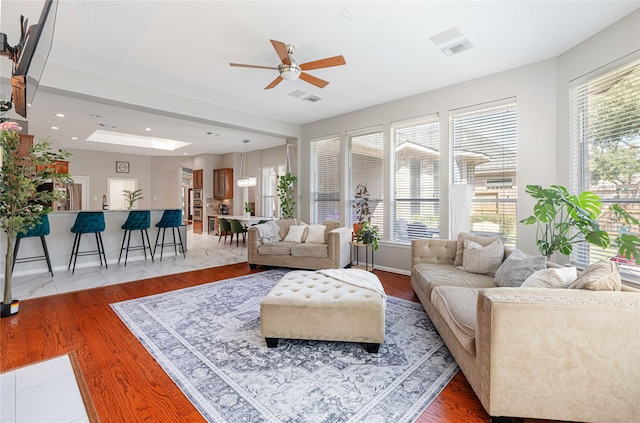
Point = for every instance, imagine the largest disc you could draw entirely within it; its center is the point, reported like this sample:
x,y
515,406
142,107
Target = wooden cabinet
x,y
197,227
222,183
197,179
62,166
26,141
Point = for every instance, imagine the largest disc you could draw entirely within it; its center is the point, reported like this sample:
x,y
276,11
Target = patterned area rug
x,y
207,338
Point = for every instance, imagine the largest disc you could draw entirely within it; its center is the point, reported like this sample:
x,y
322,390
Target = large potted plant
x,y
132,197
361,207
21,204
286,195
368,234
564,219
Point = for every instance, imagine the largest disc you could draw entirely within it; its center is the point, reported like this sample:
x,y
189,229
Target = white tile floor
x,y
47,392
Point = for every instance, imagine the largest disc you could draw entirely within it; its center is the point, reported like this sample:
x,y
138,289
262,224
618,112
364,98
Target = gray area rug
x,y
207,338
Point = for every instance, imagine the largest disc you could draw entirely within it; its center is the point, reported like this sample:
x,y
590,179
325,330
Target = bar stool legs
x,y
76,247
27,259
145,246
174,243
170,219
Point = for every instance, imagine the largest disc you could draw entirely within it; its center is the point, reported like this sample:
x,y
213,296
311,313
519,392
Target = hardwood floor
x,y
125,382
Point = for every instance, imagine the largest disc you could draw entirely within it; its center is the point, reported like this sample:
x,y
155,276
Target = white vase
x,y
247,215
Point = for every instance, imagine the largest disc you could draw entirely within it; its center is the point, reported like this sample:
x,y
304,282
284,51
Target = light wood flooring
x,y
124,381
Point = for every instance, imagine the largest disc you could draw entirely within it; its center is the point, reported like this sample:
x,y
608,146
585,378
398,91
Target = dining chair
x,y
224,228
237,228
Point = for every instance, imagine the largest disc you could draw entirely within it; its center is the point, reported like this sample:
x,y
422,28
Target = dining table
x,y
246,221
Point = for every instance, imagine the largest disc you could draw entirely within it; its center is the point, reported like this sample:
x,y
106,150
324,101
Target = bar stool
x,y
41,230
171,218
87,223
138,220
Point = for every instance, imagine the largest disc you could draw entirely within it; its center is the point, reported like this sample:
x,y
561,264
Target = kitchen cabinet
x,y
62,166
197,227
222,184
197,179
26,141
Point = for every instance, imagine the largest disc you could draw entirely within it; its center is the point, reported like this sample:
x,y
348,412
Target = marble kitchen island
x,y
60,242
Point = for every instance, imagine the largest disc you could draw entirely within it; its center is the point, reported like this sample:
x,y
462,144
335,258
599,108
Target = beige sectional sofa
x,y
333,253
560,354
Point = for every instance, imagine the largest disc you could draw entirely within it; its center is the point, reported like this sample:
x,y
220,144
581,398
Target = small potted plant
x,y
361,206
368,234
247,210
132,197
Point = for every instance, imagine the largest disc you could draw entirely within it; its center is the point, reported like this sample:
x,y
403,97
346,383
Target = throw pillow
x,y
484,260
517,268
295,234
331,225
315,234
284,225
560,277
482,240
600,276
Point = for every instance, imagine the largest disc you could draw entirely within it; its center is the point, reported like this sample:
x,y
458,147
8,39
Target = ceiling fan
x,y
290,70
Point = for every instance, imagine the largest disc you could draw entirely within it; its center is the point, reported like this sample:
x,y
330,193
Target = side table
x,y
355,248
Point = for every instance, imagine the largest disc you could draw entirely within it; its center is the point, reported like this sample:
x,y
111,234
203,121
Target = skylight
x,y
130,140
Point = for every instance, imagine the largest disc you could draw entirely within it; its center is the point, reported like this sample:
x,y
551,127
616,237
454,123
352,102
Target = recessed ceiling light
x,y
119,138
94,115
60,114
74,138
147,129
54,127
347,13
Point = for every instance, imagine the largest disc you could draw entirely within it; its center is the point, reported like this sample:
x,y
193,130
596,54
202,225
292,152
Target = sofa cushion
x,y
457,306
284,224
600,276
482,259
433,275
296,233
316,234
560,277
517,268
276,248
310,250
482,240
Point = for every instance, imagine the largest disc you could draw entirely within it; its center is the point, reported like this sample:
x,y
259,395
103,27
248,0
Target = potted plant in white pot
x,y
563,220
247,210
132,197
21,204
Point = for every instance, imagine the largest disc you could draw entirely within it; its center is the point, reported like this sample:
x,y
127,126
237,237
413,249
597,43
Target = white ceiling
x,y
182,49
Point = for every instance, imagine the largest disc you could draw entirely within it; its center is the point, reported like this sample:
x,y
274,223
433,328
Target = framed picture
x,y
122,167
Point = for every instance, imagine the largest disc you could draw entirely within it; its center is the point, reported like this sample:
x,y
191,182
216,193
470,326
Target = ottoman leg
x,y
271,342
372,348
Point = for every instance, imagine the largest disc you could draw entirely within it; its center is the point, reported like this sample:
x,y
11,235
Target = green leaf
x,y
629,247
529,220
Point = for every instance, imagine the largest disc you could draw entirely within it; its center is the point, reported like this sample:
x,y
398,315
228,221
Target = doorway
x,y
115,188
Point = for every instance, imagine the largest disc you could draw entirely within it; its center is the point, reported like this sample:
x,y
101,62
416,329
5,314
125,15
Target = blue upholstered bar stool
x,y
138,220
171,218
40,230
88,223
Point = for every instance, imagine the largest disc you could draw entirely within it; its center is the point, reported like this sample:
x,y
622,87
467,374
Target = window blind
x,y
416,157
484,154
604,131
366,167
325,180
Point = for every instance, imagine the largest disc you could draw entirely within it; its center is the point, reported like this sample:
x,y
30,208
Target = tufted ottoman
x,y
314,305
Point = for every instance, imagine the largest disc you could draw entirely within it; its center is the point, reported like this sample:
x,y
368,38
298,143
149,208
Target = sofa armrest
x,y
433,251
253,242
559,353
339,248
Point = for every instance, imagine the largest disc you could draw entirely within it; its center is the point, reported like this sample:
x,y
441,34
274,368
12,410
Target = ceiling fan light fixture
x,y
289,72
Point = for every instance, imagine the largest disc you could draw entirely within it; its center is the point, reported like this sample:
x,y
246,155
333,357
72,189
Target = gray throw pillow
x,y
517,268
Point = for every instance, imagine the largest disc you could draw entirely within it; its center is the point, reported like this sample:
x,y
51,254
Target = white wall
x,y
540,90
166,177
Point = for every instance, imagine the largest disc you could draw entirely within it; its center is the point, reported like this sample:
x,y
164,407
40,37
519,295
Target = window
x,y
325,180
604,129
366,167
416,203
484,147
268,186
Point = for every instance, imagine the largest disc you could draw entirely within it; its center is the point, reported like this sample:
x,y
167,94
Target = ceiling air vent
x,y
297,93
312,98
458,47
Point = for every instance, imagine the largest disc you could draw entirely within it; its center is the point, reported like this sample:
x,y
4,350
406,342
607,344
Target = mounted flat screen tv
x,y
33,57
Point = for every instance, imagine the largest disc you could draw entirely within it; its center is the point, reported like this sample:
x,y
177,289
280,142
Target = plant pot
x,y
247,215
356,229
7,310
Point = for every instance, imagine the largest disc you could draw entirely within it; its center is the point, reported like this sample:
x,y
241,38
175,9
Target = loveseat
x,y
558,354
295,248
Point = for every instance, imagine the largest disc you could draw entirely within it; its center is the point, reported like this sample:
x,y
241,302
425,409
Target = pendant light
x,y
245,181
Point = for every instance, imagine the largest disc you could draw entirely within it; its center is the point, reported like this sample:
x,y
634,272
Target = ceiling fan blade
x,y
274,83
324,63
281,49
321,83
240,65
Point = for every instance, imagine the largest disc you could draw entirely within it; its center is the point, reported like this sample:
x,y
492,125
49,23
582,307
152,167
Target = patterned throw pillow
x,y
560,277
517,268
481,259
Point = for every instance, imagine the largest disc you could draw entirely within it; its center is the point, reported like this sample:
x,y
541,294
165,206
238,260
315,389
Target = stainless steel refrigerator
x,y
73,197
